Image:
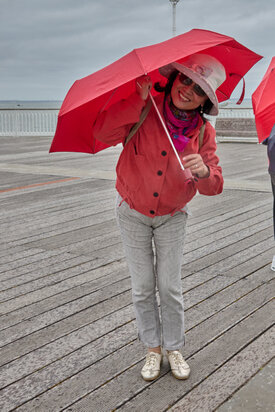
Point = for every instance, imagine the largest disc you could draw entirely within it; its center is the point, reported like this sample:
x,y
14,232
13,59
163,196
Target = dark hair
x,y
167,89
207,106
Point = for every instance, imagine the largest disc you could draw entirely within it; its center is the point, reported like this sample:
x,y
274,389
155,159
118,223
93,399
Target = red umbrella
x,y
90,95
263,101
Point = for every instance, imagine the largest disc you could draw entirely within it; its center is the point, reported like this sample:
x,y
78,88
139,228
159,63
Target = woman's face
x,y
184,96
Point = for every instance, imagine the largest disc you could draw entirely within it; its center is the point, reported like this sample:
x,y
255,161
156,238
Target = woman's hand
x,y
143,85
195,163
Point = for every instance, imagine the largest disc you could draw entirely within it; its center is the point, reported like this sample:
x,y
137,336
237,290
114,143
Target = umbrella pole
x,y
166,131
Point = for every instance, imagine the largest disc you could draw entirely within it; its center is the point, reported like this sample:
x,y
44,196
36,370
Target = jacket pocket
x,y
130,171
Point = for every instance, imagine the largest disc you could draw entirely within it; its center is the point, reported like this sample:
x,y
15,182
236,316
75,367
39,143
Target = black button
x,y
164,153
156,194
152,212
159,172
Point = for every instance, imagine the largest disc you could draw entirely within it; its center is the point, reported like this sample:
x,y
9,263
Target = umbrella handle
x,y
166,131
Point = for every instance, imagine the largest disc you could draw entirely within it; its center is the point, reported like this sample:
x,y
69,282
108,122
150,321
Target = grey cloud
x,y
46,44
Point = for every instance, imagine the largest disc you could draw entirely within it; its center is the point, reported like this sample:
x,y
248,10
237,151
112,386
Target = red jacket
x,y
149,177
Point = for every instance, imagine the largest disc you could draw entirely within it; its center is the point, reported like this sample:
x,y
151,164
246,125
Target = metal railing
x,y
42,121
240,112
28,122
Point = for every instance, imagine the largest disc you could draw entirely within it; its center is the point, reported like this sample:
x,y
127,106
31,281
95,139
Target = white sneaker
x,y
180,369
151,369
273,263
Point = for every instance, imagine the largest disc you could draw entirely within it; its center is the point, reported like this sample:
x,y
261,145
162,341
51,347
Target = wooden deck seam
x,y
43,213
39,235
260,286
42,234
79,311
173,408
55,283
129,305
208,342
190,227
99,288
148,385
222,364
51,204
68,257
61,251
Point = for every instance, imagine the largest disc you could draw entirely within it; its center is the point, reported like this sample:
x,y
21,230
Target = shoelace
x,y
177,357
150,360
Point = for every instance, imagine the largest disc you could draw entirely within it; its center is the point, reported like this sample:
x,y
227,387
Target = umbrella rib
x,y
140,61
105,104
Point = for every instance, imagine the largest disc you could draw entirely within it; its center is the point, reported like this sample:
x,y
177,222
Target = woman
x,y
153,194
270,143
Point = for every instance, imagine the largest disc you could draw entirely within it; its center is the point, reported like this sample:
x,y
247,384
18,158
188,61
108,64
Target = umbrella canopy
x,y
92,94
263,102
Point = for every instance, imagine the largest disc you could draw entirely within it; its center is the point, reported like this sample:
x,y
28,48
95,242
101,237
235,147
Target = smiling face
x,y
184,96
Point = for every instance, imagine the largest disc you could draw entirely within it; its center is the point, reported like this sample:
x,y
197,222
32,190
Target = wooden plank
x,y
64,228
18,254
41,357
37,226
102,258
82,285
129,384
70,240
11,179
5,250
189,246
224,215
61,325
198,232
85,283
41,211
58,190
49,264
90,246
256,243
84,308
78,339
112,238
30,274
208,250
75,267
166,390
230,317
226,205
235,231
52,203
192,296
197,256
216,388
223,210
67,322
13,267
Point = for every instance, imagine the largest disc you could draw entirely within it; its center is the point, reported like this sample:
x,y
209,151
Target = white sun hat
x,y
204,70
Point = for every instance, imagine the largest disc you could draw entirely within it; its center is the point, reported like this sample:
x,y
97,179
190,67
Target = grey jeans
x,y
154,265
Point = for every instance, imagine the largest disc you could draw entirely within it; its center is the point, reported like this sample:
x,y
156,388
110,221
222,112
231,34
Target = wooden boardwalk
x,y
68,336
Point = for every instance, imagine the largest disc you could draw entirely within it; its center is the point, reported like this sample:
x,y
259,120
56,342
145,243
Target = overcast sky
x,y
45,45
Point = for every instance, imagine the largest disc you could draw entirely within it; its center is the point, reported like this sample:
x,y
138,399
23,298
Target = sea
x,y
30,104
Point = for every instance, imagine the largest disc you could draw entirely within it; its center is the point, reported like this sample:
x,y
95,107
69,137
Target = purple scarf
x,y
179,123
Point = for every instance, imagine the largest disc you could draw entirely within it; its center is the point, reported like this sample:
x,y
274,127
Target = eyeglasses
x,y
187,82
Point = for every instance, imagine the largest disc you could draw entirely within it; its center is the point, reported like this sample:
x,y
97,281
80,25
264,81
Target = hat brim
x,y
167,70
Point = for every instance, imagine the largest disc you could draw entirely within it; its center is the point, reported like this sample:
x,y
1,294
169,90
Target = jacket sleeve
x,y
113,125
213,184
